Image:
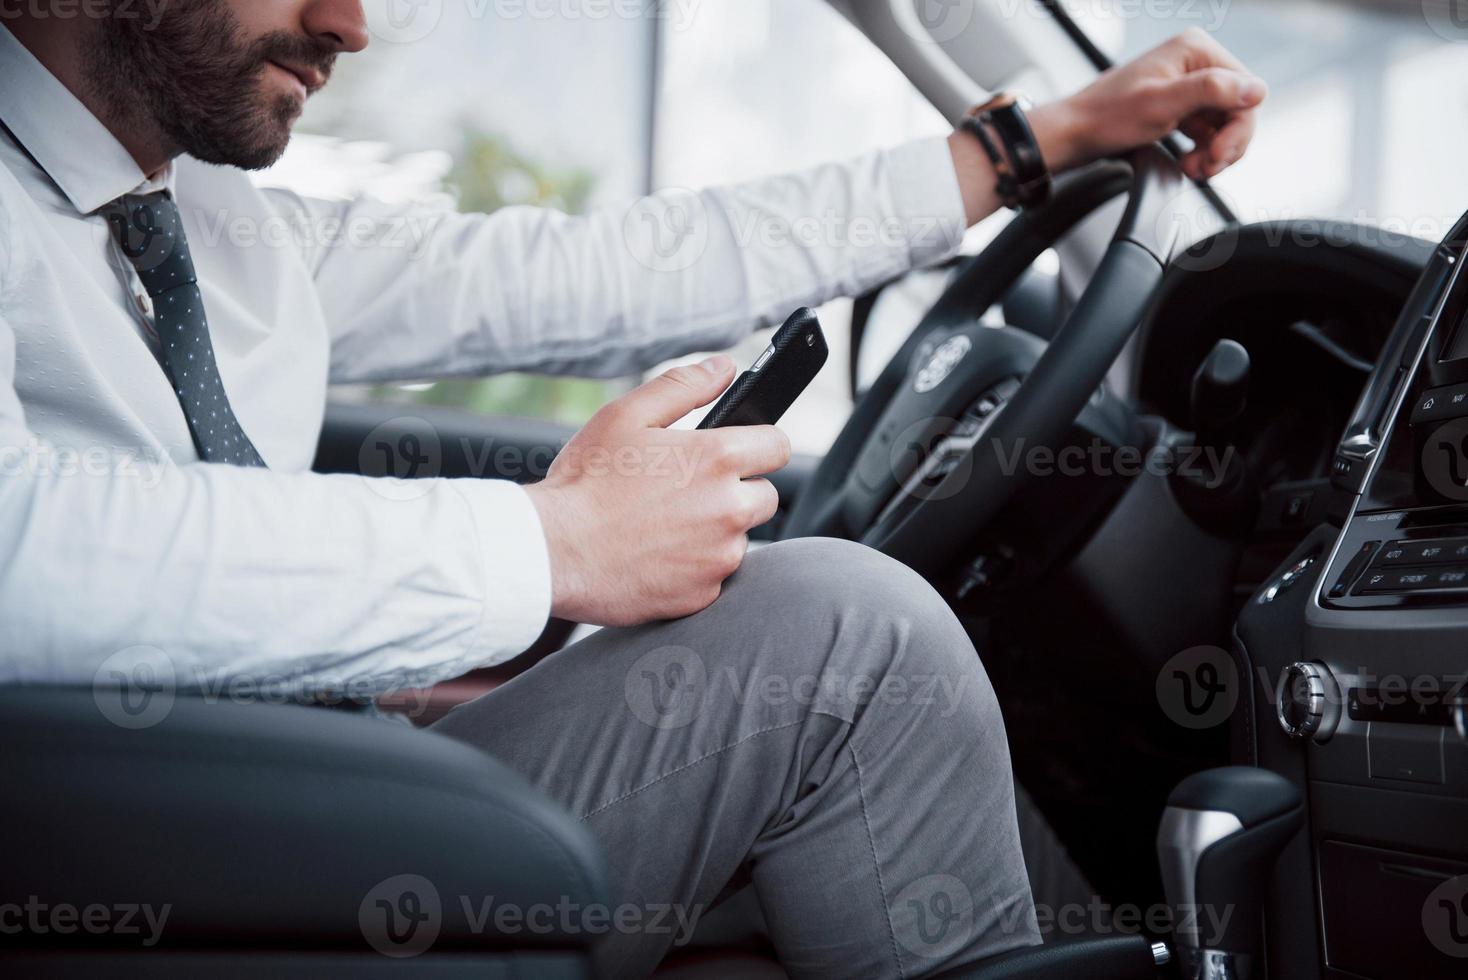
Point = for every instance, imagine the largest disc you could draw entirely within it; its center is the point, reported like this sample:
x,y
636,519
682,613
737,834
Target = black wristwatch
x,y
1005,134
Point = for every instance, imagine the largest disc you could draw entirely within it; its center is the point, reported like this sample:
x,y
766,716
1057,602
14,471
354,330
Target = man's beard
x,y
197,79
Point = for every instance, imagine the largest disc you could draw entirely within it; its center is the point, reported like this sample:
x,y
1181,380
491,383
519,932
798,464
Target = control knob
x,y
1308,701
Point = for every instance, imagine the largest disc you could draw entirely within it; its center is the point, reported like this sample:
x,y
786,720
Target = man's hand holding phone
x,y
644,522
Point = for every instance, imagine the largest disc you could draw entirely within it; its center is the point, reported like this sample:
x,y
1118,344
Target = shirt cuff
x,y
517,577
927,199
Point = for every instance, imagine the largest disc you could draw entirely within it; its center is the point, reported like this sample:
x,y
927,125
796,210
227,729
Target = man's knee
x,y
881,615
829,570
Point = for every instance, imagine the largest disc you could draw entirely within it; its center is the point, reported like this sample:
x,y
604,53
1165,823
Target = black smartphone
x,y
761,395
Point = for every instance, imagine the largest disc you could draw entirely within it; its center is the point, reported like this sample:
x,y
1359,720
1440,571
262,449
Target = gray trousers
x,y
824,731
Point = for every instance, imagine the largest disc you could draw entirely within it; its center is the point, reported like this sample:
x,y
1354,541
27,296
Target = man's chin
x,y
251,146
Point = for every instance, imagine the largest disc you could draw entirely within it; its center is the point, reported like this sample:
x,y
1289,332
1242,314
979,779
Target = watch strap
x,y
1000,125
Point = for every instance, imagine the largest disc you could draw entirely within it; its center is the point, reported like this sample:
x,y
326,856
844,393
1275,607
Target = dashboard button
x,y
1307,701
1448,577
1435,552
1441,403
1419,579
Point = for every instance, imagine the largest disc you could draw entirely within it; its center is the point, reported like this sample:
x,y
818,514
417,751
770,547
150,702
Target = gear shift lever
x,y
1221,833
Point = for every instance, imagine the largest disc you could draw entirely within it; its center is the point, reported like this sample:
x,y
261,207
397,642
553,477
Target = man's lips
x,y
310,79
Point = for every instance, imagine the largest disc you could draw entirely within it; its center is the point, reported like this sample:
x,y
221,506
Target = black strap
x,y
1023,178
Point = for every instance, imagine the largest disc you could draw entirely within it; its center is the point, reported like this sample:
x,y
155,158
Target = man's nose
x,y
339,23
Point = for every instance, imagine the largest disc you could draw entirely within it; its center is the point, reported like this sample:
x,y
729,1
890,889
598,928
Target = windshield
x,y
1367,118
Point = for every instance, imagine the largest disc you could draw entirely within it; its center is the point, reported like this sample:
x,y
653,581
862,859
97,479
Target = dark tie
x,y
149,229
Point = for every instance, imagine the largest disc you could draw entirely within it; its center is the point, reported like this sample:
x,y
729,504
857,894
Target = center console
x,y
1370,711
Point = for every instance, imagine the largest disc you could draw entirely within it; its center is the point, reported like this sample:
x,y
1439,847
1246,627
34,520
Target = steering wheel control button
x,y
1353,570
1307,701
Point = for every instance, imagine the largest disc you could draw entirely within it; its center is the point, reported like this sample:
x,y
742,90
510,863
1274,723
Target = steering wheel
x,y
929,456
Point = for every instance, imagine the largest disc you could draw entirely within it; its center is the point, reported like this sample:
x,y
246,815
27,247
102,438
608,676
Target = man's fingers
x,y
676,392
1219,89
749,450
1203,50
1215,150
1227,146
761,501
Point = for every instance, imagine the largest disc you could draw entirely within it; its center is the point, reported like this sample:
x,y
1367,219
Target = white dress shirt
x,y
114,537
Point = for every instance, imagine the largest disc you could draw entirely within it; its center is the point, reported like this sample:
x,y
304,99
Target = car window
x,y
561,107
756,87
490,104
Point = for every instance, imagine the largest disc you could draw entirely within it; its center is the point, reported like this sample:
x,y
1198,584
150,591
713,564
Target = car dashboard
x,y
1356,651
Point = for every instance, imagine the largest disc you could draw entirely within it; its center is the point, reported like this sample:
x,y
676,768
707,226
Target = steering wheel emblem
x,y
941,364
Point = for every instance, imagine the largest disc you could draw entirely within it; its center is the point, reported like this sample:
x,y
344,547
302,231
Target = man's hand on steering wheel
x,y
1189,83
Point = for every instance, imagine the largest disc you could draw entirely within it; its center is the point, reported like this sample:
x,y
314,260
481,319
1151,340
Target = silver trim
x,y
1161,955
1182,838
1374,463
1325,701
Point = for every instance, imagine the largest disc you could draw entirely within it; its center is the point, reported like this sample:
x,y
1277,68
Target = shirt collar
x,y
69,143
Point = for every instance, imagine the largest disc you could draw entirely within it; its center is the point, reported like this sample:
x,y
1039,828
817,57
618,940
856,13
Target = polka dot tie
x,y
149,229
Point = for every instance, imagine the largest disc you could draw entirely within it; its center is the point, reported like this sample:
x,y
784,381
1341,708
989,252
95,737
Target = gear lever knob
x,y
1221,834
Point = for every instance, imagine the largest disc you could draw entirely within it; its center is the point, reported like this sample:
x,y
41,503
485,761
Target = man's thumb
x,y
678,391
1215,88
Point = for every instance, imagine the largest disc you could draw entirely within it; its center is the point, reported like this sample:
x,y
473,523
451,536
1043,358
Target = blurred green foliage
x,y
489,174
